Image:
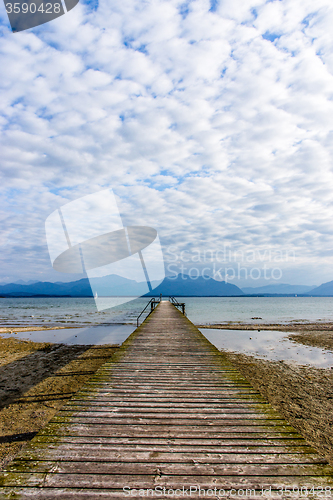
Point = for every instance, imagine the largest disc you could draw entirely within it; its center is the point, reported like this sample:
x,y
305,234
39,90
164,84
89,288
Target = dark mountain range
x,y
324,290
184,286
79,288
114,285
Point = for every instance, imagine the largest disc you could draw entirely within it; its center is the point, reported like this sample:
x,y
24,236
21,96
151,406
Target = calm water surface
x,y
270,345
210,310
63,311
200,310
91,335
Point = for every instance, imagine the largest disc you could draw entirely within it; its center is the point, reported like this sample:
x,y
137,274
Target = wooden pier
x,y
167,415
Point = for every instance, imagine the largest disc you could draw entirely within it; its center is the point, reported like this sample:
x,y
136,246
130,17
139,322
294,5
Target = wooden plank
x,y
112,454
176,444
193,468
57,480
191,414
165,419
182,409
167,411
175,400
108,493
167,431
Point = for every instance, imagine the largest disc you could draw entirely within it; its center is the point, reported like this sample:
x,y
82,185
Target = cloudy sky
x,y
211,121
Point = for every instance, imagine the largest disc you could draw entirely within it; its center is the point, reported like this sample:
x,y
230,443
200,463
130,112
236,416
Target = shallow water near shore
x,y
264,344
269,345
94,335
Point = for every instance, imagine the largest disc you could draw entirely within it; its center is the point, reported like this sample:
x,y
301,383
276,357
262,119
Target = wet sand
x,y
294,326
32,328
315,338
36,379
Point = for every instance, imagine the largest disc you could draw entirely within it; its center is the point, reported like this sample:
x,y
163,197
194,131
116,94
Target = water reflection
x,y
266,344
270,345
94,335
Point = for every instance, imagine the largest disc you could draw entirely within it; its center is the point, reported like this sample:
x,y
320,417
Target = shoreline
x,y
9,329
230,325
312,334
296,326
19,329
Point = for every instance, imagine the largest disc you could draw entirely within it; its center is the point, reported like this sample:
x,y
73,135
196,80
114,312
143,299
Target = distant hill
x,y
185,286
22,282
80,288
109,285
278,289
182,285
114,285
324,290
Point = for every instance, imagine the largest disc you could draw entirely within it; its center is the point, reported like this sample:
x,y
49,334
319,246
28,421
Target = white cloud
x,y
212,127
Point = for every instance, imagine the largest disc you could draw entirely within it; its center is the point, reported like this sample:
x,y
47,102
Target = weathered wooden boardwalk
x,y
166,412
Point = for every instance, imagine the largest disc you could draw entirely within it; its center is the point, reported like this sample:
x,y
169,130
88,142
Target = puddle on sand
x,y
270,345
266,344
94,335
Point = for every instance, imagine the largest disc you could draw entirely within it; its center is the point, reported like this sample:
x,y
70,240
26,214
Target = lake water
x,y
200,310
115,325
213,310
270,345
64,311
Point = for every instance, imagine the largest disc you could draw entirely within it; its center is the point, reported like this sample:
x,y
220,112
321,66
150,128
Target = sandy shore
x,y
316,338
13,329
294,326
36,379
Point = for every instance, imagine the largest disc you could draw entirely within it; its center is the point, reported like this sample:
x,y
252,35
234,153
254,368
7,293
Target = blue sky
x,y
212,122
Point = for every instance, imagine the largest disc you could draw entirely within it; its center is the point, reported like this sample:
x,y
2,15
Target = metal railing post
x,y
177,304
152,303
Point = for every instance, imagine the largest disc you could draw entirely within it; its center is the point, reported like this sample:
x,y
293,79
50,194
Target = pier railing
x,y
180,305
153,303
